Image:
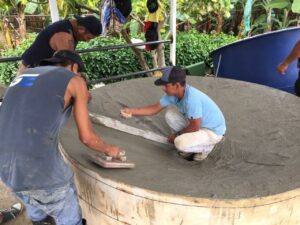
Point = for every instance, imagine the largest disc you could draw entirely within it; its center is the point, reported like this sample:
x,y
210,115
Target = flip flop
x,y
12,212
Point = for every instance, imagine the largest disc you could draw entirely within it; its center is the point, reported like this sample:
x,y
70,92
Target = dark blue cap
x,y
171,74
62,56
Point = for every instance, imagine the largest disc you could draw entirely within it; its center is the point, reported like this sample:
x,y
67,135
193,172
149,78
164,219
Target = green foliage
x,y
195,47
200,9
104,64
9,70
191,48
280,4
296,6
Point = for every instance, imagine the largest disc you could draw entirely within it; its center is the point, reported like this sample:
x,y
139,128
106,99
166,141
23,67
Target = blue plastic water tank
x,y
255,59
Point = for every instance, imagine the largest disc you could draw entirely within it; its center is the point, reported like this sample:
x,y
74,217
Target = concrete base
x,y
253,181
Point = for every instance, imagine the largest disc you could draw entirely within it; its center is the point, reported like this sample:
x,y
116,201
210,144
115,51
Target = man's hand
x,y
171,138
282,67
126,113
113,151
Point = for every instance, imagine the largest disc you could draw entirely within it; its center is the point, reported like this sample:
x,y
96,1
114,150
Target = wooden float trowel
x,y
109,162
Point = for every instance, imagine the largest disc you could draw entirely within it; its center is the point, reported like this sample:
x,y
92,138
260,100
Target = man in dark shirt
x,y
282,67
60,35
34,109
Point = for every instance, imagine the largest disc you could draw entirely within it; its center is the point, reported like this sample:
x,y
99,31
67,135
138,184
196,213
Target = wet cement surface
x,y
260,156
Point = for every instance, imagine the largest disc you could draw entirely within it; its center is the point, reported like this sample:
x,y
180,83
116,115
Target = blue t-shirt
x,y
197,105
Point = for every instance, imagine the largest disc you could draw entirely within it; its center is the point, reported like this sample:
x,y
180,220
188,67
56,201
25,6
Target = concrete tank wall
x,y
108,202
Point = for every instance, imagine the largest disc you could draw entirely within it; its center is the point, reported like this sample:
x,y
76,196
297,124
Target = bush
x,y
191,48
195,47
8,71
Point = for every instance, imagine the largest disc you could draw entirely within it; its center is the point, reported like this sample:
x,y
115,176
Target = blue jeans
x,y
60,203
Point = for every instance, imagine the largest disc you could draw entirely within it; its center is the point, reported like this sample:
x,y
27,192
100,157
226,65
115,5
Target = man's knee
x,y
181,143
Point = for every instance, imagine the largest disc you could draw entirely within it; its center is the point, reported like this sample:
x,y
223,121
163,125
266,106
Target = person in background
x,y
61,35
282,67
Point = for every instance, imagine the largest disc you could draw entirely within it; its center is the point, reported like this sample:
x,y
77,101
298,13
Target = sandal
x,y
12,212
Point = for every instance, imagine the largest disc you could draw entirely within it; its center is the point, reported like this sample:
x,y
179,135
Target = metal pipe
x,y
173,32
53,10
111,47
10,59
124,75
105,48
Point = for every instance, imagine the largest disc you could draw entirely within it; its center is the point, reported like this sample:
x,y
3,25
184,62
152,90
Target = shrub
x,y
8,71
191,48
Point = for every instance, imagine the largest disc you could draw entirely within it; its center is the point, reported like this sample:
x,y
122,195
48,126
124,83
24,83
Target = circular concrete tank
x,y
253,179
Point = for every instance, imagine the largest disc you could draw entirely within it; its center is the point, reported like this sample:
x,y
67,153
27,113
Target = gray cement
x,y
260,156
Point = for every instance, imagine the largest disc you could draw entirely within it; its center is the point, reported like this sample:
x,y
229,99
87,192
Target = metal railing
x,y
103,48
106,48
124,75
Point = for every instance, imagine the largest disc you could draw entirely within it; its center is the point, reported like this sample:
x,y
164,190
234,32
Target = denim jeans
x,y
60,203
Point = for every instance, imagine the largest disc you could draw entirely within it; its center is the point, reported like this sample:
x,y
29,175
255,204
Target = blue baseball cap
x,y
171,74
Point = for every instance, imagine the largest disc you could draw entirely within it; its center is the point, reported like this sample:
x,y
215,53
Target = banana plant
x,y
4,25
296,6
19,5
207,8
285,6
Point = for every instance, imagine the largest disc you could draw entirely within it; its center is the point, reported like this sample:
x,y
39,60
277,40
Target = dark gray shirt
x,y
31,116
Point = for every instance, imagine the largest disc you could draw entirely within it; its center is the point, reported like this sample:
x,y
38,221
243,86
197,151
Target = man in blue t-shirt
x,y
197,121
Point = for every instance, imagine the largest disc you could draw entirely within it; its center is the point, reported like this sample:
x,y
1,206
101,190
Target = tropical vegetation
x,y
202,26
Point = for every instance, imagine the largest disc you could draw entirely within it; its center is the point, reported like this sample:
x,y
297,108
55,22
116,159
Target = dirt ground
x,y
6,200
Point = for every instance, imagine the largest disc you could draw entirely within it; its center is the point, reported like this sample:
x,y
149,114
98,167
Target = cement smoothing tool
x,y
109,162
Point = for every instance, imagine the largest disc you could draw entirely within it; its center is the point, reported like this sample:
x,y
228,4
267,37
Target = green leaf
x,y
134,28
280,4
296,6
31,8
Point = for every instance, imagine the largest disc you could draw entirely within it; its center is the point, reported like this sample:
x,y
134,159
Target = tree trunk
x,y
154,59
209,25
21,21
188,25
285,18
269,20
220,23
7,34
161,47
241,29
